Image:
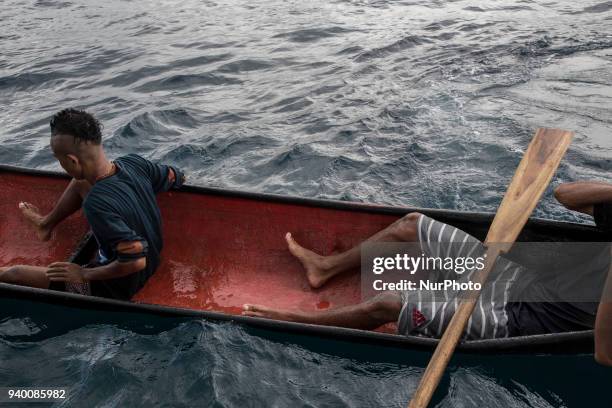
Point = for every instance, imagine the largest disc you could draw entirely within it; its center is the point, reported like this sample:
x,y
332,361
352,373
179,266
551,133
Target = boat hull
x,y
225,248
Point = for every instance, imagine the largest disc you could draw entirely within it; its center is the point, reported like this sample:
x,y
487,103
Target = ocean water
x,y
427,103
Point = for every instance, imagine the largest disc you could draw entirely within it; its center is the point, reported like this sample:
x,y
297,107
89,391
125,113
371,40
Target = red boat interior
x,y
18,241
219,251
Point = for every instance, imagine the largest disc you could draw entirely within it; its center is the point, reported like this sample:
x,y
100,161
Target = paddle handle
x,y
533,174
446,347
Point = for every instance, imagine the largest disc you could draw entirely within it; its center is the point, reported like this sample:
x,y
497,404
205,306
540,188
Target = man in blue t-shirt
x,y
118,199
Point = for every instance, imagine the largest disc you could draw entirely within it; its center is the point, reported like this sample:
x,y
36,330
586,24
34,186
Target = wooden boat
x,y
225,248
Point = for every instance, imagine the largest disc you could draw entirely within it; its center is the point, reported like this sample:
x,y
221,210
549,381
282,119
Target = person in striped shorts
x,y
419,312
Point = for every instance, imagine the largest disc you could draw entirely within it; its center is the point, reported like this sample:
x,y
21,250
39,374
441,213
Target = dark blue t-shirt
x,y
123,208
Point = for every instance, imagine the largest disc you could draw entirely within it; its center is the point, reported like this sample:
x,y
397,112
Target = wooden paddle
x,y
528,184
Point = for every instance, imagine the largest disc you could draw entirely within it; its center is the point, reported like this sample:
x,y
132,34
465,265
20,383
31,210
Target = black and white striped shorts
x,y
433,312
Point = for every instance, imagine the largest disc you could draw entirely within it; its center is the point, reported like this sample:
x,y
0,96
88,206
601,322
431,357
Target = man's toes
x,y
253,308
294,247
248,308
28,208
253,314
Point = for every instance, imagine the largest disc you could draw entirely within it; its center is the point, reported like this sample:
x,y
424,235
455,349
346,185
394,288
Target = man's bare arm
x,y
583,195
70,272
115,269
69,203
131,259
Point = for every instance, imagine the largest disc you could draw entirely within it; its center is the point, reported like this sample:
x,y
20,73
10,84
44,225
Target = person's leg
x,y
369,315
319,269
33,276
69,203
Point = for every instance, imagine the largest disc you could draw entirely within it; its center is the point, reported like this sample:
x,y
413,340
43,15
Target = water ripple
x,y
428,103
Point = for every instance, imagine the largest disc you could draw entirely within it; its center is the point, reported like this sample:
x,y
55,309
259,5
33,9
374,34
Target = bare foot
x,y
32,214
316,272
276,314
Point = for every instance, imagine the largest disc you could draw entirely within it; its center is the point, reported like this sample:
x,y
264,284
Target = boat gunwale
x,y
510,345
551,343
469,216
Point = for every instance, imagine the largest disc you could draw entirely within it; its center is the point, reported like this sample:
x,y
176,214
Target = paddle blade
x,y
533,175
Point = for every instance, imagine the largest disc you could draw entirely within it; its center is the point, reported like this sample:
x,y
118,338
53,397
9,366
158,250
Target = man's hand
x,y
65,272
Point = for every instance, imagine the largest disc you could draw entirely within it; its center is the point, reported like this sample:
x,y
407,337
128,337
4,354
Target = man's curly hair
x,y
78,124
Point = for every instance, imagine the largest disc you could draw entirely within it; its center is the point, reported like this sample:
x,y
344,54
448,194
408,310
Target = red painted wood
x,y
222,252
219,252
18,241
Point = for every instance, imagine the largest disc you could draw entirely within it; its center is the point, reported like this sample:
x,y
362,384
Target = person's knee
x,y
11,274
603,359
603,352
405,229
385,307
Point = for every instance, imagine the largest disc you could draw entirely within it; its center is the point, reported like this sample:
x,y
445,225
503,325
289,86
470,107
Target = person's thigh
x,y
33,276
